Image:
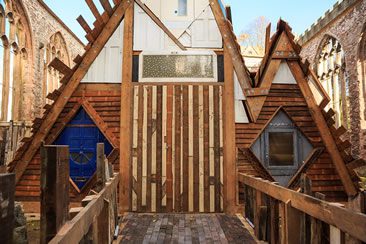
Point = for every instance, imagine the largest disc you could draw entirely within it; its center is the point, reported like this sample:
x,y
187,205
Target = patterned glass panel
x,y
178,66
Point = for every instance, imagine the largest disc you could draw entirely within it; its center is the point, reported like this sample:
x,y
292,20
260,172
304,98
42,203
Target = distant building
x,y
336,47
252,56
31,36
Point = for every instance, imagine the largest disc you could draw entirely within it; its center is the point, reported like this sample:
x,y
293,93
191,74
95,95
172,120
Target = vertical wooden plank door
x,y
177,159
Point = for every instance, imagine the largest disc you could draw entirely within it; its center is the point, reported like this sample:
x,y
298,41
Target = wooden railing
x,y
96,221
280,215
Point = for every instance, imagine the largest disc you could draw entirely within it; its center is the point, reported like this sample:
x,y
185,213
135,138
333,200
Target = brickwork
x,y
345,22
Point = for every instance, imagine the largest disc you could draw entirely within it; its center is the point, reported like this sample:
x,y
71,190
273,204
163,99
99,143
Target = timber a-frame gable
x,y
326,165
103,102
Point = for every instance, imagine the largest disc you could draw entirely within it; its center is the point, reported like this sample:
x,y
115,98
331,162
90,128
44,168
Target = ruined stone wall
x,y
43,23
345,22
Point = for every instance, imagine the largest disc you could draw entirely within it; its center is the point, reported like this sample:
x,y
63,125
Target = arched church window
x,y
13,59
56,47
333,76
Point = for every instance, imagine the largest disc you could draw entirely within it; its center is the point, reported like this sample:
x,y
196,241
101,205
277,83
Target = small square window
x,y
182,7
281,148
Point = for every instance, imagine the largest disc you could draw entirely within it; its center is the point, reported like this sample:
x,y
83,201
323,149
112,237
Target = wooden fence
x,y
96,220
280,215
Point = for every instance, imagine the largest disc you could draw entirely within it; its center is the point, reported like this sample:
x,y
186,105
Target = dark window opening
x,y
281,148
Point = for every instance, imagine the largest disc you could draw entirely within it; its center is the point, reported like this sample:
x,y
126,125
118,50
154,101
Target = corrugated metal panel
x,y
107,67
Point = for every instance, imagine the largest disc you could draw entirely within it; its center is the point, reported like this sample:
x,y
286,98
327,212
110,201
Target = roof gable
x,y
98,37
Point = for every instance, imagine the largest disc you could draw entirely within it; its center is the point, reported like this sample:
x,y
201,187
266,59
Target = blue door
x,y
82,136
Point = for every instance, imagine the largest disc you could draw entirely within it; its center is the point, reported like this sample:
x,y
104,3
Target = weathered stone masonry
x,y
31,36
346,23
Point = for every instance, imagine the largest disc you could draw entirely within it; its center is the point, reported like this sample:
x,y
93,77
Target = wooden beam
x,y
332,214
95,11
54,190
60,66
126,115
7,190
74,230
157,21
103,127
268,38
230,182
101,167
107,6
86,28
324,130
232,46
70,87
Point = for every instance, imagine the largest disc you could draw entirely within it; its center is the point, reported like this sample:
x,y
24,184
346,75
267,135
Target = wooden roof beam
x,y
60,66
107,6
89,36
233,48
324,130
94,11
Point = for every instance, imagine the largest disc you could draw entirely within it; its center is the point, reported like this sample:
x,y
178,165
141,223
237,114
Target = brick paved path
x,y
183,228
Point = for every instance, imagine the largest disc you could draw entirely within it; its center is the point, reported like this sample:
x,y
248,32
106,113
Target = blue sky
x,y
299,13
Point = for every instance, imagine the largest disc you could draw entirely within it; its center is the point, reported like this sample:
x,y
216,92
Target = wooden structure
x,y
166,102
290,101
167,137
54,184
280,215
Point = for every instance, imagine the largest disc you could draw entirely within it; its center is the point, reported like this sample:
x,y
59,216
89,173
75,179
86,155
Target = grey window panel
x,y
281,123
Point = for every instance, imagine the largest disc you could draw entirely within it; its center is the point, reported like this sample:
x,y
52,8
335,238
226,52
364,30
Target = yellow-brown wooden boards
x,y
177,117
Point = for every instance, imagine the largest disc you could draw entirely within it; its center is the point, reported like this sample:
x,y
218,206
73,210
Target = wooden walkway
x,y
183,228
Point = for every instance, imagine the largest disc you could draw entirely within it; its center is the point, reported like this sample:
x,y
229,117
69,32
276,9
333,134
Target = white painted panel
x,y
239,95
240,113
107,67
148,36
284,75
315,90
205,32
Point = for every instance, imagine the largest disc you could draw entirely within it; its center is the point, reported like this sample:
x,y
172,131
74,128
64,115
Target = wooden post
x,y
7,190
335,235
54,190
101,167
293,225
260,217
126,113
317,225
357,204
305,184
274,221
230,172
103,225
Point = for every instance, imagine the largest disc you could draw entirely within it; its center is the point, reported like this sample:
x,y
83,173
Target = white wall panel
x,y
284,75
107,67
205,32
148,36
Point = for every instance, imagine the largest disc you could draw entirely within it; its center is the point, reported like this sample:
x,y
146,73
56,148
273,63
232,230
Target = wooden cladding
x,y
177,161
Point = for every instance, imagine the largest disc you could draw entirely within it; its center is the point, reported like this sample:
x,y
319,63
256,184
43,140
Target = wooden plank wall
x,y
177,160
105,100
